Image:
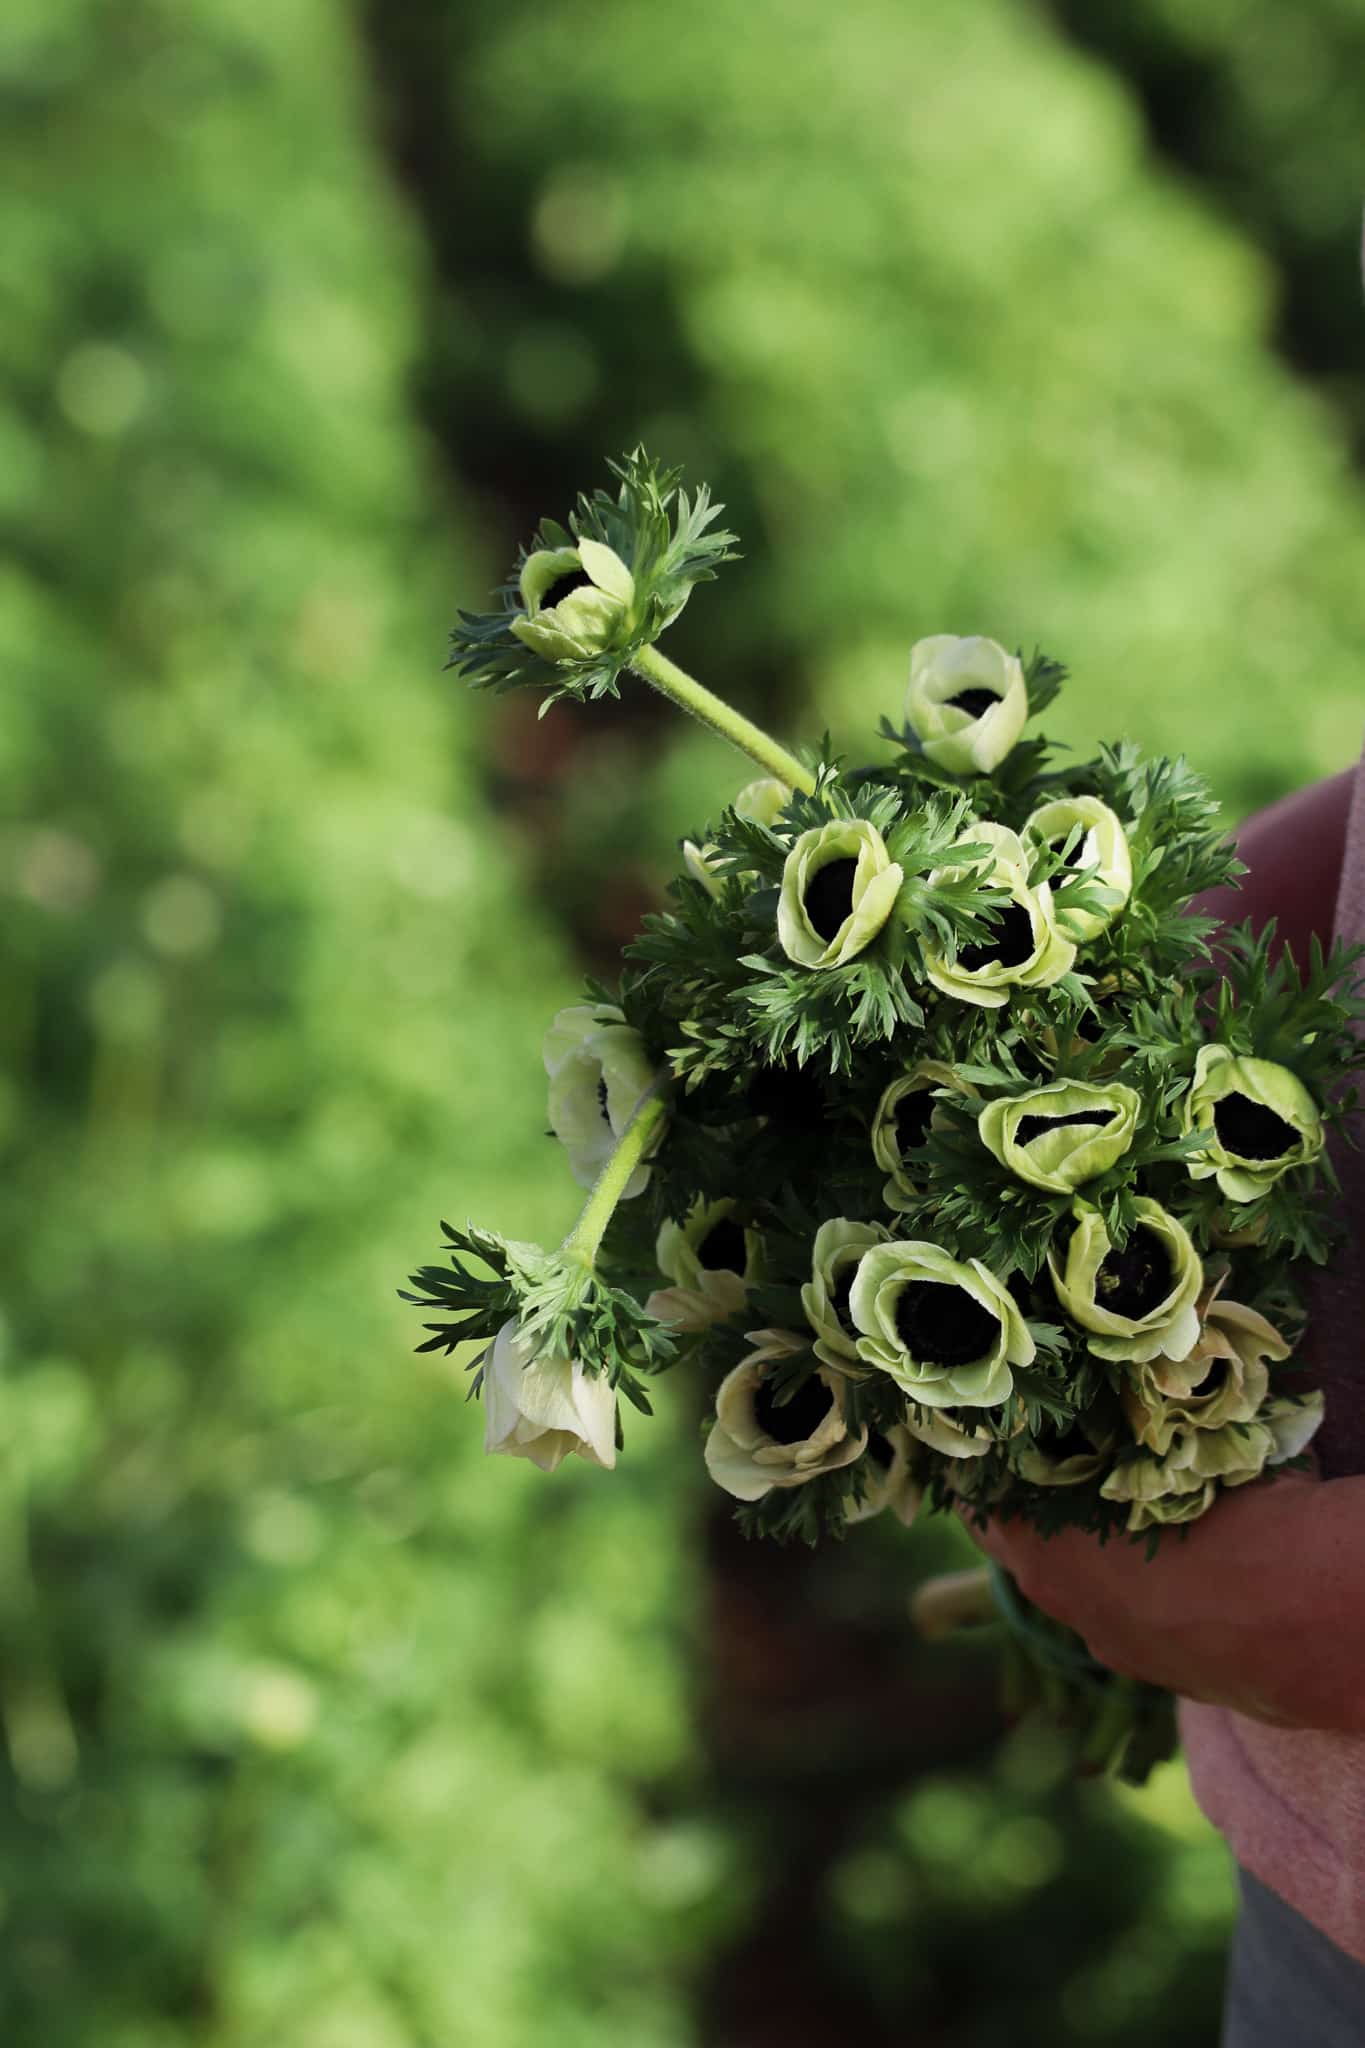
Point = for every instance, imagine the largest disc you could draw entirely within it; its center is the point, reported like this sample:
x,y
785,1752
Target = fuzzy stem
x,y
713,711
583,1240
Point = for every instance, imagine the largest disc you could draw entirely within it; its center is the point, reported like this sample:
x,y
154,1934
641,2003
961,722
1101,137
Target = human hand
x,y
1258,1607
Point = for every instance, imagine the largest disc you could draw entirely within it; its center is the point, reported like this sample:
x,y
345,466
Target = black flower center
x,y
1215,1379
829,896
880,1451
563,586
602,1098
788,1092
913,1112
1063,1440
839,1294
792,1421
1010,944
1134,1281
1250,1130
976,702
723,1248
1031,1127
940,1324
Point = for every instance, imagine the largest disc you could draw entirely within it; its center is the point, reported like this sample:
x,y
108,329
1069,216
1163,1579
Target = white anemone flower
x,y
1026,948
711,1261
599,1072
758,1442
544,1408
966,701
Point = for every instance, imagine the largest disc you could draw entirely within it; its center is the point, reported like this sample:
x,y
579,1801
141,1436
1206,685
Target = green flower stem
x,y
673,682
586,1236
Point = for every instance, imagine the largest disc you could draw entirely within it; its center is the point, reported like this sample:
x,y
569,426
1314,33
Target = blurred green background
x,y
981,316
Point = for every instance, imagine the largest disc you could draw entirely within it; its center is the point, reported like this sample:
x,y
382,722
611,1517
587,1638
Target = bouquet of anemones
x,y
923,1125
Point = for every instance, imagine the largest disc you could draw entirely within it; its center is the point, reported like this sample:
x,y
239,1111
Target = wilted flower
x,y
946,1331
598,1070
888,1479
1025,948
543,1408
838,886
901,1123
1259,1116
598,593
1225,1378
1137,1302
1062,1135
758,1441
711,1260
838,1247
967,701
1103,847
1182,1484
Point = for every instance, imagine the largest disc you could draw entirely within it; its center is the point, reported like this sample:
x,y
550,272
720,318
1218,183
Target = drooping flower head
x,y
760,1440
1136,1301
1061,1135
966,701
543,1408
945,1330
599,1071
1260,1119
838,887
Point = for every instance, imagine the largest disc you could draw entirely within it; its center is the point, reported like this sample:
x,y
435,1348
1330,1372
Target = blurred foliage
x,y
317,1728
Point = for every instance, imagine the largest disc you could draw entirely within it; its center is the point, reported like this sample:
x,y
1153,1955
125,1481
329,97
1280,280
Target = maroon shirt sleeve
x,y
1294,851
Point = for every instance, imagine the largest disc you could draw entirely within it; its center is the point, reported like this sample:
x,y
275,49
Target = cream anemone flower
x,y
1059,1136
589,617
888,1480
1025,949
761,801
544,1408
1102,847
838,886
1064,1457
711,1260
966,701
945,1330
1135,1303
599,1072
838,1247
901,1122
1225,1378
758,1442
1259,1117
1183,1484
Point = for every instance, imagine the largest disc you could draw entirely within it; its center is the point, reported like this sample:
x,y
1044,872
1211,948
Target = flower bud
x,y
544,1408
712,1261
838,1247
1103,848
759,1442
946,1331
590,615
1025,948
1062,1135
838,886
967,702
598,1070
1259,1117
1138,1302
901,1123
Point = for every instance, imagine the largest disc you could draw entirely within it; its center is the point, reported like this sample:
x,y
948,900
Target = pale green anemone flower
x,y
599,1071
838,886
966,701
544,1408
839,1245
943,1431
759,1442
889,1481
762,801
1059,1136
1026,949
1136,1303
946,1331
587,620
1102,847
712,1262
1260,1118
901,1122
1071,1457
1183,1484
1224,1379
